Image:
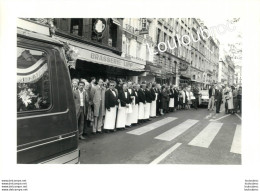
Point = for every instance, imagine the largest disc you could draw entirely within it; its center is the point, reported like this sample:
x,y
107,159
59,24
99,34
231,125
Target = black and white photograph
x,y
129,96
129,91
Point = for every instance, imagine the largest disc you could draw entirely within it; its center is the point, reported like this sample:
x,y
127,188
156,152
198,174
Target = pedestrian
x,y
74,84
80,100
124,101
180,98
164,98
158,101
239,98
211,98
189,95
218,98
229,98
196,95
92,82
176,97
154,99
148,101
87,122
98,99
184,98
235,101
142,102
130,115
136,87
171,96
111,103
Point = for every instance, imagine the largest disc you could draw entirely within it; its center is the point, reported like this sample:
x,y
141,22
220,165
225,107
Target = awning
x,y
100,56
115,21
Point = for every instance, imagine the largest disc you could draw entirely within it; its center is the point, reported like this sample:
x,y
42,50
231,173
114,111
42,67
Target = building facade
x,y
164,50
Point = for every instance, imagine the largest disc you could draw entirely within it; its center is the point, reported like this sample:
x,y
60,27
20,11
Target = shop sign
x,y
109,60
99,26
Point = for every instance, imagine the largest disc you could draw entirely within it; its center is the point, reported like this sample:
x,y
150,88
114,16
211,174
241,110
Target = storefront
x,y
152,73
100,63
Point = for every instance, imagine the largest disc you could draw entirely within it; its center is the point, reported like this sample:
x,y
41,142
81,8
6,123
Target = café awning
x,y
101,56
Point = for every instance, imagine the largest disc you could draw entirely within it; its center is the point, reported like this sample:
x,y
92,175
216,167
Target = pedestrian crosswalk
x,y
152,126
236,144
176,131
206,136
202,139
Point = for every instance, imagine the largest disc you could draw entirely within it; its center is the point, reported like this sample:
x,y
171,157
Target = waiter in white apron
x,y
142,102
111,104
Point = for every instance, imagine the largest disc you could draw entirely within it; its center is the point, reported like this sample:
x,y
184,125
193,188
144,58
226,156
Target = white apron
x,y
110,118
171,102
121,117
141,110
147,110
135,113
130,116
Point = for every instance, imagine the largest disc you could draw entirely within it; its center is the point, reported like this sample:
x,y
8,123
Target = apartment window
x,y
165,37
158,35
76,26
138,50
127,46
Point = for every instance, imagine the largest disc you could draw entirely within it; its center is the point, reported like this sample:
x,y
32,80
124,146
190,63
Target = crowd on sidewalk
x,y
107,106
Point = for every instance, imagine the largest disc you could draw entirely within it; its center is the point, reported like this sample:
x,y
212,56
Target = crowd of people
x,y
107,106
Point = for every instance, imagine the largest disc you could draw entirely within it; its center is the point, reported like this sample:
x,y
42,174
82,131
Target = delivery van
x,y
46,114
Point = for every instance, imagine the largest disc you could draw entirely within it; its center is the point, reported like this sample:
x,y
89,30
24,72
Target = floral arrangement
x,y
26,94
71,52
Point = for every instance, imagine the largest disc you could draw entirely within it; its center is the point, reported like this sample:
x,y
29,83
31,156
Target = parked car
x,y
204,97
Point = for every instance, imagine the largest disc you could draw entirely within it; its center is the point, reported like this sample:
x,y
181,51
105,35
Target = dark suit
x,y
148,96
153,94
123,99
141,96
110,99
136,97
81,110
175,96
218,98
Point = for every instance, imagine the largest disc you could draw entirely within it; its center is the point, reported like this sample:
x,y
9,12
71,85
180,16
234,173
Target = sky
x,y
226,36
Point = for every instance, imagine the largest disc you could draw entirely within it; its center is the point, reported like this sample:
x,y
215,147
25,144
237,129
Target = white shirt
x,y
81,98
130,91
113,93
126,94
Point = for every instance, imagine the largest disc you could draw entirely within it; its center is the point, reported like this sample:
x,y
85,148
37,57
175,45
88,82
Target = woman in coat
x,y
230,101
164,98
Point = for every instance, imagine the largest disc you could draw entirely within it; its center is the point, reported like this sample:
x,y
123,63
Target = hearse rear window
x,y
33,82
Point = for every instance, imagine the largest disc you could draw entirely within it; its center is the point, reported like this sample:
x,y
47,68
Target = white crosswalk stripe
x,y
152,126
177,130
206,136
236,144
204,139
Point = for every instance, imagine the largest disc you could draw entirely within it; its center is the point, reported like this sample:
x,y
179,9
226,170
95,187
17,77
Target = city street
x,y
181,137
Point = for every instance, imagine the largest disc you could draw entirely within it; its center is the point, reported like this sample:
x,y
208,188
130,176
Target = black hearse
x,y
46,114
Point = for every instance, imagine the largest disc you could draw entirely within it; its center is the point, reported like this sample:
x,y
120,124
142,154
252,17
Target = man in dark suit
x,y
111,100
125,100
218,98
196,95
81,101
158,101
175,96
